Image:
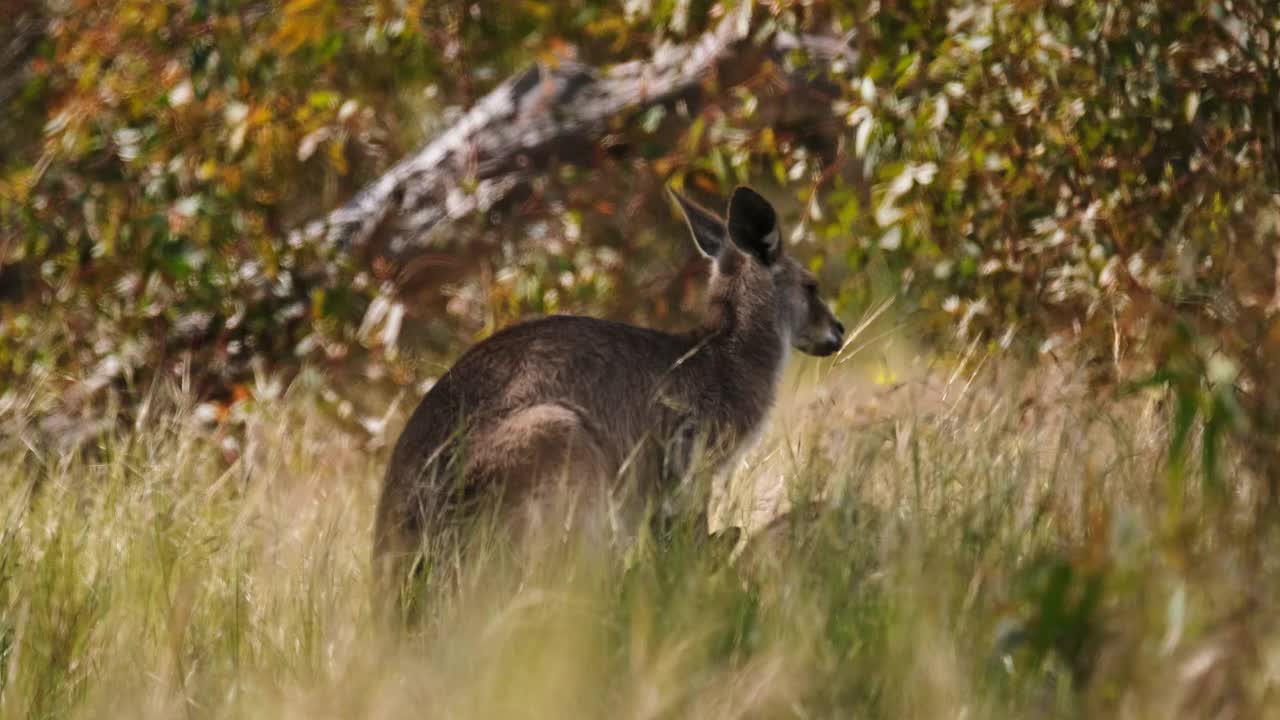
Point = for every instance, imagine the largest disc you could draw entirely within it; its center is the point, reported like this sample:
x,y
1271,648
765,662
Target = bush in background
x,y
1039,175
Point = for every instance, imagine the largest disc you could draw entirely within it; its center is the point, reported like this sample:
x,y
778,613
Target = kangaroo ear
x,y
753,225
708,229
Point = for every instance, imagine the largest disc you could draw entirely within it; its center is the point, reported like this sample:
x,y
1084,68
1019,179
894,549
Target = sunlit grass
x,y
961,548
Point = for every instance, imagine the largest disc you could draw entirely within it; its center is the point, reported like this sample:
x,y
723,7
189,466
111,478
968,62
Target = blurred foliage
x,y
1081,174
159,153
170,146
1039,174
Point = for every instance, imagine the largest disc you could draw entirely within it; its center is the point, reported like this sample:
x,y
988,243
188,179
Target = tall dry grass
x,y
973,543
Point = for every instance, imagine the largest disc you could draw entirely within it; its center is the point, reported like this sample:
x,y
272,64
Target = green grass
x,y
992,547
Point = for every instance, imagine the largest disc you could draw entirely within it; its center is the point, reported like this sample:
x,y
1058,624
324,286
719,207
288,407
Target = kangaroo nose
x,y
839,328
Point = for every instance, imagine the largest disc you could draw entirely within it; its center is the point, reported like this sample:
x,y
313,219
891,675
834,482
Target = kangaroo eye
x,y
811,286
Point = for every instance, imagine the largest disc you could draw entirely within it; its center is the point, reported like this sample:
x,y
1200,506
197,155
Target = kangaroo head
x,y
753,281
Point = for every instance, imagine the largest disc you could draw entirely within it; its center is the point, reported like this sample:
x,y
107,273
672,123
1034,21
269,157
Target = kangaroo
x,y
579,402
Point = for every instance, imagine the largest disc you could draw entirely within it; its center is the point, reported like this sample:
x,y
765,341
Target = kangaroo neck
x,y
744,351
746,339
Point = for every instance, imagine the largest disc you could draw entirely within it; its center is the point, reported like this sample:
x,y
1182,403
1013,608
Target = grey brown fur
x,y
609,411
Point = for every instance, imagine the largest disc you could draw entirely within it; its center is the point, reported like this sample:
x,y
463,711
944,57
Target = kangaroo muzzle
x,y
833,341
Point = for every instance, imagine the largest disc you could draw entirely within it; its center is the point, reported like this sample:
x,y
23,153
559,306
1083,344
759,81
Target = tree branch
x,y
543,115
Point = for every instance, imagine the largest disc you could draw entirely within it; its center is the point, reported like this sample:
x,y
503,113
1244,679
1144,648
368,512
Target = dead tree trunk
x,y
559,114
